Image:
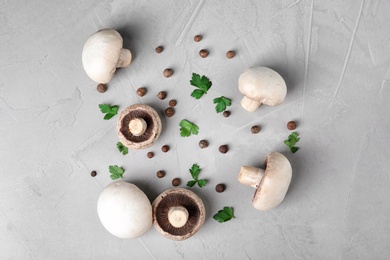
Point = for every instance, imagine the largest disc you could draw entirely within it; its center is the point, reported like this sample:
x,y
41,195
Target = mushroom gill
x,y
137,114
172,200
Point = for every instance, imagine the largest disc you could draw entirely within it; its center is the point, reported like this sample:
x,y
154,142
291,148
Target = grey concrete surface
x,y
335,58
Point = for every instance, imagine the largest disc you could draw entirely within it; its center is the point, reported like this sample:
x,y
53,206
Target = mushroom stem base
x,y
124,59
250,104
250,176
178,216
137,126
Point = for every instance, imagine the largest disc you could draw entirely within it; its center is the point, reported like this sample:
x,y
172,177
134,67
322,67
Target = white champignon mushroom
x,y
261,85
124,210
138,126
102,53
178,213
271,184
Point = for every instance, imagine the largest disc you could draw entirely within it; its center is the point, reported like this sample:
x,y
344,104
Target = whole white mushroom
x,y
102,53
271,184
124,210
261,85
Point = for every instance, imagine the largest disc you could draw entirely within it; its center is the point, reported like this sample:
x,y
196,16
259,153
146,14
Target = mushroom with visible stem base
x,y
261,85
271,184
139,126
102,53
178,213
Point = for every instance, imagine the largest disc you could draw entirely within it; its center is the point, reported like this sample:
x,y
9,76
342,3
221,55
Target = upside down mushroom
x,y
139,126
178,213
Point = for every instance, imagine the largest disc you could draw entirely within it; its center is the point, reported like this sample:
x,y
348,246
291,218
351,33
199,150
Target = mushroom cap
x,y
124,210
178,197
101,53
275,182
152,132
263,85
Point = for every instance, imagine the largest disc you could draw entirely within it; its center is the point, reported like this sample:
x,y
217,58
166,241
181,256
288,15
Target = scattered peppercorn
x,y
220,188
159,49
170,111
150,154
160,174
291,125
176,182
223,148
165,148
162,95
226,113
203,144
93,173
230,54
203,53
168,72
255,129
172,103
101,87
141,92
198,38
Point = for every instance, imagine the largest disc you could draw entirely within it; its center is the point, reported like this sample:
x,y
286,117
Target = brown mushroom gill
x,y
172,200
137,114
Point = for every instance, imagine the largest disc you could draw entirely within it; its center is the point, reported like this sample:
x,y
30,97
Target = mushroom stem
x,y
249,104
250,176
137,126
178,216
124,59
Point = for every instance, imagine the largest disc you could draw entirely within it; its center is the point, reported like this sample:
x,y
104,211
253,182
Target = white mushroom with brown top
x,y
139,126
261,85
102,53
124,210
271,184
178,213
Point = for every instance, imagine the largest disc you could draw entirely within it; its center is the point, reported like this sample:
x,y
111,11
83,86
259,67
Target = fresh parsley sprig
x,y
202,83
195,170
291,141
110,111
116,172
224,215
222,102
187,128
122,148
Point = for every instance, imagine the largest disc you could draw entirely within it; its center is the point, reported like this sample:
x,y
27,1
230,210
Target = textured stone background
x,y
335,58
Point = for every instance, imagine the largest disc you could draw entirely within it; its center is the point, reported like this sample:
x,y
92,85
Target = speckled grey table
x,y
335,58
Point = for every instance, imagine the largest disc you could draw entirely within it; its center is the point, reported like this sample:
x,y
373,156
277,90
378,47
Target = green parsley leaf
x,y
191,183
224,215
202,183
123,149
202,83
187,128
195,170
116,172
197,93
291,141
110,111
222,102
